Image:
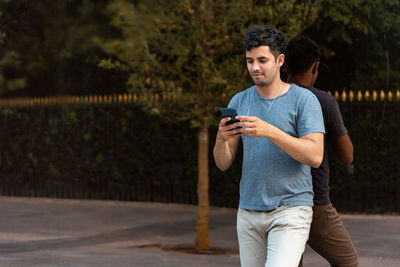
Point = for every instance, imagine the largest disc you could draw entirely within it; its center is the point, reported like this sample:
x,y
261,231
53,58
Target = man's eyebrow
x,y
257,58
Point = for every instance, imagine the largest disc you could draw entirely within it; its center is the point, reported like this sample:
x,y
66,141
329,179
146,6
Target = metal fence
x,y
98,152
108,148
375,184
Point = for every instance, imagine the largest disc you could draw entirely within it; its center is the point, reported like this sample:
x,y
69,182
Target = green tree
x,y
47,48
8,59
191,51
360,40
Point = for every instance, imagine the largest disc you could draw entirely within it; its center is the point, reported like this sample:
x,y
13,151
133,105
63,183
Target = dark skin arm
x,y
342,148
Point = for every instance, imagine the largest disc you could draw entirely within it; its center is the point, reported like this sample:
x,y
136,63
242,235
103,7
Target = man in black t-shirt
x,y
328,237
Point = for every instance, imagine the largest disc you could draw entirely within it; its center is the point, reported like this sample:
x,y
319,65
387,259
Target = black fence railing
x,y
100,152
375,184
116,151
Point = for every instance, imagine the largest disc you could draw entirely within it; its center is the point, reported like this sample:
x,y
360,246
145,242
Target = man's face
x,y
262,65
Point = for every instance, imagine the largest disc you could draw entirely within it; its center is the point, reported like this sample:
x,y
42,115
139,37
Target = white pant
x,y
281,233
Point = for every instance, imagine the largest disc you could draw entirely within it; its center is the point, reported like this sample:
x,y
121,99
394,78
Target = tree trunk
x,y
203,209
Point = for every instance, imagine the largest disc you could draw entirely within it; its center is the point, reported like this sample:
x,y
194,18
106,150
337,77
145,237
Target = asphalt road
x,y
57,232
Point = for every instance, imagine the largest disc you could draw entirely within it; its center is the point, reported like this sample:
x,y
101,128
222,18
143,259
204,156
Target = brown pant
x,y
329,238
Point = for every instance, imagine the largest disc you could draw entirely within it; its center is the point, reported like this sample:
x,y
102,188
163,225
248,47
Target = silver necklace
x,y
273,101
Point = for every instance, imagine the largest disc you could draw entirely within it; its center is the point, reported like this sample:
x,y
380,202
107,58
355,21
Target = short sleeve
x,y
234,102
310,118
334,124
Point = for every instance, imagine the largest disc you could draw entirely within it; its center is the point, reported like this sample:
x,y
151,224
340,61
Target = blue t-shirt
x,y
270,177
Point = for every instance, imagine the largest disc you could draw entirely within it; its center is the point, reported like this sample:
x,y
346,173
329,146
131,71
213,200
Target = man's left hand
x,y
253,126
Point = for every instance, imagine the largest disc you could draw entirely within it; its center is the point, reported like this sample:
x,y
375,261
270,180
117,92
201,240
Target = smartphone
x,y
229,112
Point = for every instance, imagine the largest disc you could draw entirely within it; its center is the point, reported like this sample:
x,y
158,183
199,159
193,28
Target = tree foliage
x,y
360,40
47,48
51,47
192,50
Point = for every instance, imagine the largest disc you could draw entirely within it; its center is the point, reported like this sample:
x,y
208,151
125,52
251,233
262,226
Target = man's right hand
x,y
227,132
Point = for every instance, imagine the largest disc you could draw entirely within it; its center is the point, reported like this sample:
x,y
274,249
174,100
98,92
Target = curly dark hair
x,y
300,54
259,35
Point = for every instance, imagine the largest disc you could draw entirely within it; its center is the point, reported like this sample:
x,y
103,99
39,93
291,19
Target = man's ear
x,y
280,60
315,67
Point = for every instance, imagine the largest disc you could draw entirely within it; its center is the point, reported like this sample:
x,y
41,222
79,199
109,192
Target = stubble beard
x,y
263,82
267,79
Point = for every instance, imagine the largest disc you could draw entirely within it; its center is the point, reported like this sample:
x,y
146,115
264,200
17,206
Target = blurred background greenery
x,y
100,47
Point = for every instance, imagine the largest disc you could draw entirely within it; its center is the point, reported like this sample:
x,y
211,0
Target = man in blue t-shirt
x,y
282,131
328,237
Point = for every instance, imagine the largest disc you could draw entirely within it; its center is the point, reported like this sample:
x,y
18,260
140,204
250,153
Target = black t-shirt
x,y
334,126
